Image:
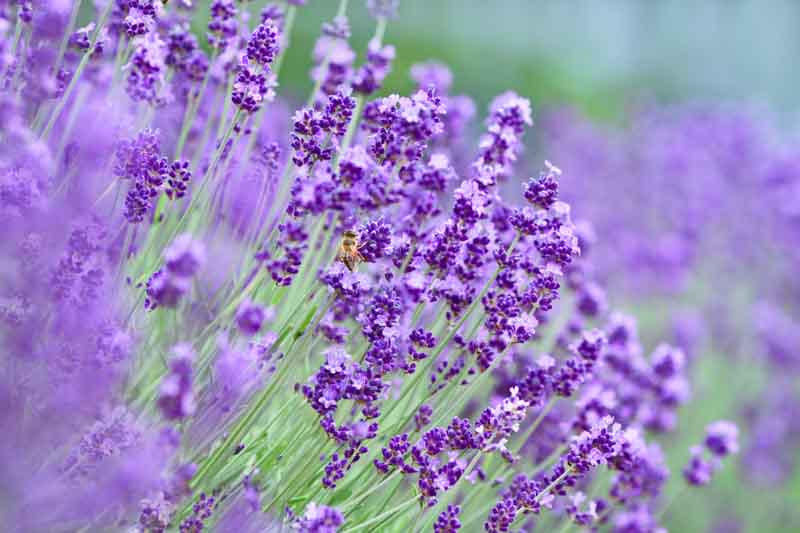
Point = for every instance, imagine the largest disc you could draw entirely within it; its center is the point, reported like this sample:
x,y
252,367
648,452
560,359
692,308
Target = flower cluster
x,y
254,81
351,316
722,439
182,261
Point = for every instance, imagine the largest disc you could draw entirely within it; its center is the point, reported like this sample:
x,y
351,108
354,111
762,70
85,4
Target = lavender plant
x,y
221,315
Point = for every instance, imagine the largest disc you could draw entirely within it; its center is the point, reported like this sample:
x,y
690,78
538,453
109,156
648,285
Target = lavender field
x,y
399,266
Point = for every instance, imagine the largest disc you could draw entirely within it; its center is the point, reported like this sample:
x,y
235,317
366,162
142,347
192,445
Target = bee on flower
x,y
349,253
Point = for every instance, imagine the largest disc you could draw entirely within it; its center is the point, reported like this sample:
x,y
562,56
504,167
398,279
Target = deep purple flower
x,y
223,26
252,88
423,416
181,45
374,237
178,180
138,16
543,191
250,317
201,511
263,45
722,438
447,521
668,361
314,131
401,127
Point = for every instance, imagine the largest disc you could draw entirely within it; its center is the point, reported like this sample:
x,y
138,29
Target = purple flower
x,y
333,60
432,74
178,180
667,361
374,238
176,399
543,191
201,511
252,88
369,78
185,256
315,130
722,438
597,446
401,127
147,70
165,290
320,519
139,16
250,317
222,27
447,521
263,46
383,8
338,28
509,114
423,416
274,12
698,471
181,46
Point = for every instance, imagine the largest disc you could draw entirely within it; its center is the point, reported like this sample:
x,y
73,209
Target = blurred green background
x,y
600,57
593,54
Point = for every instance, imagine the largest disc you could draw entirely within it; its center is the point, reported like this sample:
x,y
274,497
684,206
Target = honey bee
x,y
349,250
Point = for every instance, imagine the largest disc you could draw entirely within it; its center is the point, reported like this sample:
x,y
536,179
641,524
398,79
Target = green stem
x,y
78,72
672,499
391,512
73,18
351,505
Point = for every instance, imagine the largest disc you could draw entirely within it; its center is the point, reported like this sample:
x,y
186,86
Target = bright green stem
x,y
78,72
380,30
388,514
353,503
556,481
255,409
